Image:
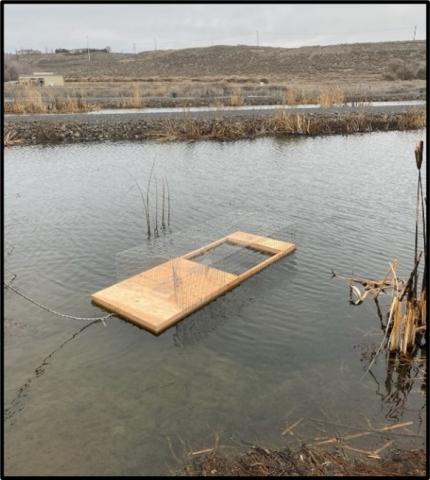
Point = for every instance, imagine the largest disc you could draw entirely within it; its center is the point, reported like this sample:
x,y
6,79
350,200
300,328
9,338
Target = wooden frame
x,y
161,296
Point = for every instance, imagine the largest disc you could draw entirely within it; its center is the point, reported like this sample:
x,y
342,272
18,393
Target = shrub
x,y
12,70
398,70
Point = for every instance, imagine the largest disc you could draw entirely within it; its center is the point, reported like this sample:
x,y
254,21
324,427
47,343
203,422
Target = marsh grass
x,y
133,99
29,99
331,96
285,123
236,100
294,95
189,128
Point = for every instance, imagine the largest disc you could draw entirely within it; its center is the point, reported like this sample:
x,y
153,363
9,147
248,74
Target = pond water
x,y
283,347
250,107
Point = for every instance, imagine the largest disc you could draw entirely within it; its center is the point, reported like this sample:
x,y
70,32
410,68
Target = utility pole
x,y
415,32
258,39
155,44
88,50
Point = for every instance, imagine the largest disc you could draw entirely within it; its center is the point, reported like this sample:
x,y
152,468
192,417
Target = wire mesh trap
x,y
159,297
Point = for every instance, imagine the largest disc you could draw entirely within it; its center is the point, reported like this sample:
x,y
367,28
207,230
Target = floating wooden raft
x,y
163,295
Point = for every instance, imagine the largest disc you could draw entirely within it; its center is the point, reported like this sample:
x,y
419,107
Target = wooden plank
x,y
163,295
257,242
204,249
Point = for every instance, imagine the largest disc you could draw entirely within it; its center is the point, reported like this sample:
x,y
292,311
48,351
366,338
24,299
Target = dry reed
x,y
236,100
29,99
406,317
331,96
134,98
11,139
293,96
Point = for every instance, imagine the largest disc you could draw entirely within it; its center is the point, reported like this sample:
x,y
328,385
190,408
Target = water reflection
x,y
396,378
402,375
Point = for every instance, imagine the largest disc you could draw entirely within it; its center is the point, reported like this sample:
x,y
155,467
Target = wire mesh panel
x,y
162,295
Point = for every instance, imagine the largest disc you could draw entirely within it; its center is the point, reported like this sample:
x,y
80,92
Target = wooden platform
x,y
163,295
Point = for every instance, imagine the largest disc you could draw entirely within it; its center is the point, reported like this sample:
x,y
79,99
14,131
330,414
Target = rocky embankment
x,y
227,125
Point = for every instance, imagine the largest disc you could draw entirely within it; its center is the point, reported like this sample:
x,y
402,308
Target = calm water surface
x,y
283,346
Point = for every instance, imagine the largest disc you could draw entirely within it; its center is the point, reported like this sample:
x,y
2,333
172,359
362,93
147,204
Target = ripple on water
x,y
280,342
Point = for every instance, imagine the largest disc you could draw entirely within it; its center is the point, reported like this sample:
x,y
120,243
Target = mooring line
x,y
14,406
15,403
64,315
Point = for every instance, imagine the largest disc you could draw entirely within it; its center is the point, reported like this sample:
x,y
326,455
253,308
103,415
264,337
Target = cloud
x,y
51,26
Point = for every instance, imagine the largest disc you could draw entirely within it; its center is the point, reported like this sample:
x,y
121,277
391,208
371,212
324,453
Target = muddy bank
x,y
307,461
46,129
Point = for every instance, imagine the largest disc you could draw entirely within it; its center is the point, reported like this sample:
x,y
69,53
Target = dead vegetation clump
x,y
11,138
306,461
236,101
404,323
346,453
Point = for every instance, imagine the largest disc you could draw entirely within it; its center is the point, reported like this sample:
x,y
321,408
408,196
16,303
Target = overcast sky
x,y
146,27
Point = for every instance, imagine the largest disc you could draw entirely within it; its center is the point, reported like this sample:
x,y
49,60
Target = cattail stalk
x,y
168,203
163,224
156,206
148,210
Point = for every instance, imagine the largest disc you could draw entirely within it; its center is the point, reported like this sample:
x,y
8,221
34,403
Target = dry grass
x,y
26,100
331,96
179,92
236,101
327,96
284,123
300,96
134,99
293,96
29,99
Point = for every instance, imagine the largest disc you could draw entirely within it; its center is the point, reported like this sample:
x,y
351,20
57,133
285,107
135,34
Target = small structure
x,y
163,295
42,79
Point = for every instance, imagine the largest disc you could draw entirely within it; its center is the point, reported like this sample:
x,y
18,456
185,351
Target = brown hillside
x,y
354,62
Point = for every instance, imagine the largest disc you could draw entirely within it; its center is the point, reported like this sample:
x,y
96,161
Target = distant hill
x,y
365,61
